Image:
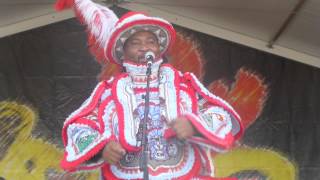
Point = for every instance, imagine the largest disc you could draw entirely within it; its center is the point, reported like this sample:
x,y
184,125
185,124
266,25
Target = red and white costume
x,y
116,106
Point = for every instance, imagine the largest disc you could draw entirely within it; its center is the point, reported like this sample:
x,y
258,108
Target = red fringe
x,y
120,112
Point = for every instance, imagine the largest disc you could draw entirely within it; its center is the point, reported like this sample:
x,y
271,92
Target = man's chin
x,y
138,62
141,61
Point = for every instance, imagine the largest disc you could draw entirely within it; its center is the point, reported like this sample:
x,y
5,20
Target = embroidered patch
x,y
217,120
84,142
84,136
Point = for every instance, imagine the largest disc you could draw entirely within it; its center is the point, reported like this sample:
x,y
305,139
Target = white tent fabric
x,y
21,15
254,23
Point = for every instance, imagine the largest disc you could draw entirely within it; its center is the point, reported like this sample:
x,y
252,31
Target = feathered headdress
x,y
107,33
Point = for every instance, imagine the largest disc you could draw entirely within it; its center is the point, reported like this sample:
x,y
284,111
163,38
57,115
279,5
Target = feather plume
x,y
186,56
98,19
100,22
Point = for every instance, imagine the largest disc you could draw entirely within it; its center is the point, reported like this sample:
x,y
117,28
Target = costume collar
x,y
138,71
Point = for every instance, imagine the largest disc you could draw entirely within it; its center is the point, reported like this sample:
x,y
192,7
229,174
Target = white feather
x,y
90,11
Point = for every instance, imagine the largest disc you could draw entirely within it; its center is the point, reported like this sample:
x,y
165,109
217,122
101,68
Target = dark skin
x,y
134,50
139,44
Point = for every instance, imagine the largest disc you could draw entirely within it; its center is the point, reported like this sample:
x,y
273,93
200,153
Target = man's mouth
x,y
141,59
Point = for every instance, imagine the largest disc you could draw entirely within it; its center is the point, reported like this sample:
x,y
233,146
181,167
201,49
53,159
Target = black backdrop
x,y
50,69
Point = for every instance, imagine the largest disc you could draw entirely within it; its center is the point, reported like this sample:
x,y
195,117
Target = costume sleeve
x,y
85,132
217,123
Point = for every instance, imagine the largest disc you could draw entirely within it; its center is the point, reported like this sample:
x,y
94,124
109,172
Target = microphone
x,y
149,56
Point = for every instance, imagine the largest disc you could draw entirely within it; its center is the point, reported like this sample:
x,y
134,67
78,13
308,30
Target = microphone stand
x,y
144,158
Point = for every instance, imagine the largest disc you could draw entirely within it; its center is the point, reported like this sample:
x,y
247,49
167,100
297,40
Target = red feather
x,y
185,55
95,49
108,70
63,4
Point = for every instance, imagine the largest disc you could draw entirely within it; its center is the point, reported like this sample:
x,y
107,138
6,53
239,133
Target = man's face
x,y
140,43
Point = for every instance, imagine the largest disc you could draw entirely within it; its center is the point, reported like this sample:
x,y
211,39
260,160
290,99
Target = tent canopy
x,y
287,28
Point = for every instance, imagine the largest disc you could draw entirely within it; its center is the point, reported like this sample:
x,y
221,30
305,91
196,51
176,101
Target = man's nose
x,y
144,48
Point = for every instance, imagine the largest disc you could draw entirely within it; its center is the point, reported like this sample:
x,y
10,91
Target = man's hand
x,y
183,128
113,152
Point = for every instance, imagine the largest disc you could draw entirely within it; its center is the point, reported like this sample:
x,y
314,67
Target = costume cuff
x,y
83,146
214,130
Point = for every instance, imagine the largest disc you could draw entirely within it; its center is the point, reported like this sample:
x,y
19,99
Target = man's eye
x,y
135,43
151,41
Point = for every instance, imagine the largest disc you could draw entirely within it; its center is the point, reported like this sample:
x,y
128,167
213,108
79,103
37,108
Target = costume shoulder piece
x,y
85,132
214,118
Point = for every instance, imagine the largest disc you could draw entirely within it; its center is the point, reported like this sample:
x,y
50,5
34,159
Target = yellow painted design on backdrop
x,y
26,157
267,162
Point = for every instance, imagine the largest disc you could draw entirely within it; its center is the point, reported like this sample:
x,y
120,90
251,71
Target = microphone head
x,y
149,63
149,56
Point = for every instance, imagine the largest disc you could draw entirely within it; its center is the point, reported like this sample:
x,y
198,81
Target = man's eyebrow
x,y
133,39
152,37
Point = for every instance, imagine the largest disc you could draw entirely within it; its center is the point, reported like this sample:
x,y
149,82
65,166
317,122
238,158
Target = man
x,y
135,49
185,121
